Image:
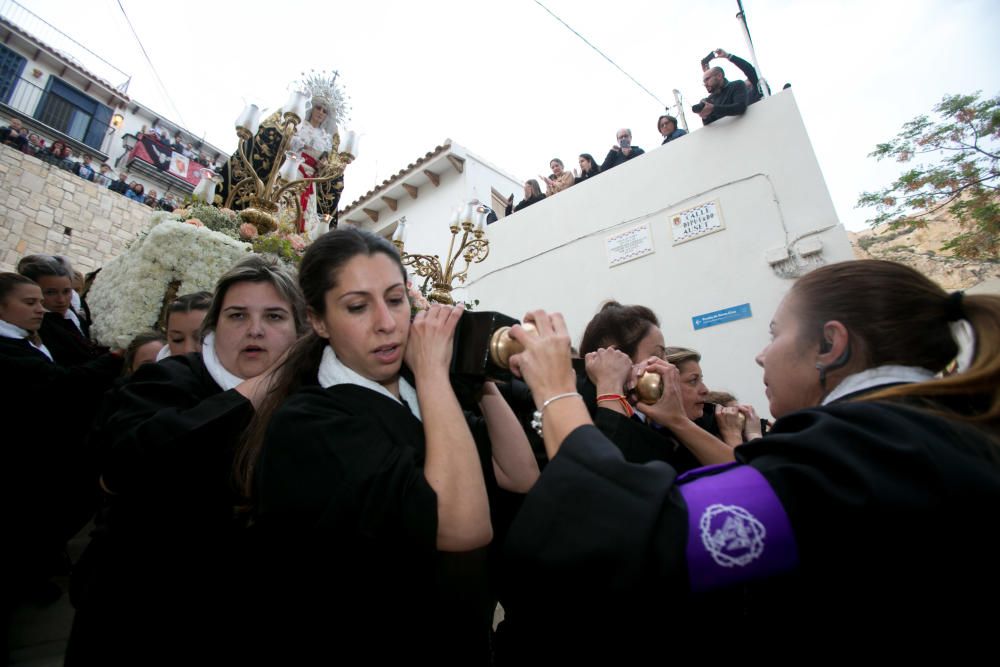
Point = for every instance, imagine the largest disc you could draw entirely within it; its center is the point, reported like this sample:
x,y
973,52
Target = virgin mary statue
x,y
315,140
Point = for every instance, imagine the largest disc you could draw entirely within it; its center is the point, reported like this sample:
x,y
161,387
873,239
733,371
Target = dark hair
x,y
618,325
133,347
8,281
257,269
185,303
41,266
318,274
555,159
896,315
594,167
667,117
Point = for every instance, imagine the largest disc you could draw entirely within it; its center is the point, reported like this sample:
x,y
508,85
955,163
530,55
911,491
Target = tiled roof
x,y
410,168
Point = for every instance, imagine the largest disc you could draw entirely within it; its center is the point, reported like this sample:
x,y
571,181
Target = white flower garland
x,y
127,295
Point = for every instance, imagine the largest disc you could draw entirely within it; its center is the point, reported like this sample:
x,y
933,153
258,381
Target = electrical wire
x,y
603,55
163,88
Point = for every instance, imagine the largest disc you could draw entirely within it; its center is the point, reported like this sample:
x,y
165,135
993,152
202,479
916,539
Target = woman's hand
x,y
751,430
670,408
545,362
609,369
730,421
429,347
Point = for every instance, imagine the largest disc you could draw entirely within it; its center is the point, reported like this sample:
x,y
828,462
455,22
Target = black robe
x,y
166,560
48,473
892,515
349,529
66,343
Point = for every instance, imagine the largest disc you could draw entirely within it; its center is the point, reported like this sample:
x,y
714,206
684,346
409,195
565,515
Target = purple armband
x,y
737,529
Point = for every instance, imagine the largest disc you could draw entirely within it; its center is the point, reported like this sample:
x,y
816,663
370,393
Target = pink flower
x,y
248,231
195,222
417,299
297,243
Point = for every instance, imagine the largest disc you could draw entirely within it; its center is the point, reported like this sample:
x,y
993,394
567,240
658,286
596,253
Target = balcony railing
x,y
59,119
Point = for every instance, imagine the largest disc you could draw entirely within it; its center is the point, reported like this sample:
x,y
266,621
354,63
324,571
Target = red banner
x,y
151,151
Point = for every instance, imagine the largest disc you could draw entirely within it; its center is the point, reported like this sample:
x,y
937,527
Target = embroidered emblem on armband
x,y
737,528
732,535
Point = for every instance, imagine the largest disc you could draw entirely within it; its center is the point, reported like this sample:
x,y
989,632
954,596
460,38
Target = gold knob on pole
x,y
649,388
503,347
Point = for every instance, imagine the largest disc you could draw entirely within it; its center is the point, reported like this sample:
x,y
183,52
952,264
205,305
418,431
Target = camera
x,y
698,107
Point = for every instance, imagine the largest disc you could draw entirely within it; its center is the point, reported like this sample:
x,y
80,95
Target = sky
x,y
513,85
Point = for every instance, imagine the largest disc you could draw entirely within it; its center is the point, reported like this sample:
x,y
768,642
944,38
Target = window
x,y
71,112
11,67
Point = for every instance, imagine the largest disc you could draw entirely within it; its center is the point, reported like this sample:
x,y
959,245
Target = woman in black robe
x,y
865,519
45,409
370,490
159,581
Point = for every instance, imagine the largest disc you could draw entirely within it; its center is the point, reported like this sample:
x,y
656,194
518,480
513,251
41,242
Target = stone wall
x,y
45,209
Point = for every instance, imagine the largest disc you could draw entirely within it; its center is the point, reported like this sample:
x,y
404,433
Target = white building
x,y
641,234
45,84
426,192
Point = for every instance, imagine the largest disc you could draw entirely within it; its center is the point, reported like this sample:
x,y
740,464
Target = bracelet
x,y
536,418
629,411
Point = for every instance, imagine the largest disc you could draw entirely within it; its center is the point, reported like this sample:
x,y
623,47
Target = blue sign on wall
x,y
739,312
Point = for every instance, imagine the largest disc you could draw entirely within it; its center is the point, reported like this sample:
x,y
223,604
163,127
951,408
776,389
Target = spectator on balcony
x,y
622,151
168,203
667,125
588,167
35,144
136,192
752,83
121,185
725,98
177,144
53,153
559,179
69,161
532,195
12,135
152,199
85,169
105,177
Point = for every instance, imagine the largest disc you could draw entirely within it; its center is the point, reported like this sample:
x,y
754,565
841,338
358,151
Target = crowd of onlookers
x,y
725,98
59,154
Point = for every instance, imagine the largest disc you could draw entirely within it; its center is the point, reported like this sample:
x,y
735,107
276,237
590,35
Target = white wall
x,y
760,168
428,216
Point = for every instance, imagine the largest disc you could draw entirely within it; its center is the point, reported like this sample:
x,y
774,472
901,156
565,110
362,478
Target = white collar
x,y
332,371
70,315
874,377
8,330
222,377
163,353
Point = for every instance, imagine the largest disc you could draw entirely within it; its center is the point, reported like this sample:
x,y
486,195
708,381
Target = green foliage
x,y
217,219
962,174
278,246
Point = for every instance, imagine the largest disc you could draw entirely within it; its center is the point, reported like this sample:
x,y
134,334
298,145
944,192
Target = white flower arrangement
x,y
127,295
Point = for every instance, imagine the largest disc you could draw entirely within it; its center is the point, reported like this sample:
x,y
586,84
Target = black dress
x,y
348,525
48,474
67,344
160,581
879,525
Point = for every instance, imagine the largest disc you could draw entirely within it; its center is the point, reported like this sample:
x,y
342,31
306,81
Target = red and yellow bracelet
x,y
617,397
